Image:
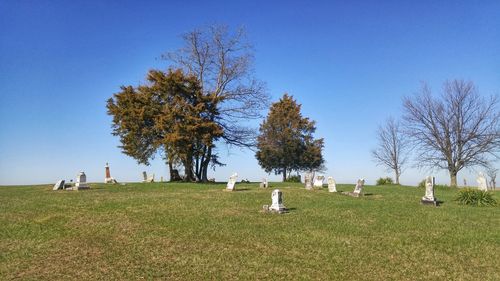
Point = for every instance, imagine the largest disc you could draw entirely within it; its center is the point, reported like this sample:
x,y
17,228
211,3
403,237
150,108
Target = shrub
x,y
295,178
385,181
475,197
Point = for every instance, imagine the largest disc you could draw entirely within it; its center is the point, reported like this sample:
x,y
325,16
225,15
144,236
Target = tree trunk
x,y
453,178
188,168
204,165
197,169
397,177
284,174
170,169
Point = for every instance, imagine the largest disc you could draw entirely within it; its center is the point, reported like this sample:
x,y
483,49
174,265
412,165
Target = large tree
x,y
456,130
286,142
392,149
222,62
169,113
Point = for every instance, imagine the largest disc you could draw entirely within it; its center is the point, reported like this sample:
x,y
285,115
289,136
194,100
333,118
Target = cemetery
x,y
155,230
249,140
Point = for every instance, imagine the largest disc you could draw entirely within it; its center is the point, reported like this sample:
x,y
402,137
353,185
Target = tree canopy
x,y
169,113
185,112
222,61
286,142
456,130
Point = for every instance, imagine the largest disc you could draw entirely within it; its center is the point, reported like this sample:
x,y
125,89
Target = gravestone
x,y
429,192
81,181
146,178
332,185
59,185
308,181
482,184
277,201
108,178
231,182
319,181
264,183
358,189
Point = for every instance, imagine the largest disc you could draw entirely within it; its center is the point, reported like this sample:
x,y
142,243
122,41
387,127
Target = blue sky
x,y
349,63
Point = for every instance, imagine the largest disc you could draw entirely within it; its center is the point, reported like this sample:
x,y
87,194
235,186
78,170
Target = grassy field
x,y
194,232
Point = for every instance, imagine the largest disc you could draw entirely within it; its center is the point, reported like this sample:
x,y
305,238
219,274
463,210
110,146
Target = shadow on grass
x,y
242,189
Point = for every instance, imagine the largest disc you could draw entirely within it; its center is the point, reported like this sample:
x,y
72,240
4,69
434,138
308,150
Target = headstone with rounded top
x,y
332,185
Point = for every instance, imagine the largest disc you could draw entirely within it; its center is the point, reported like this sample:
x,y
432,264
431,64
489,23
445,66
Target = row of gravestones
x,y
277,196
279,207
80,183
332,186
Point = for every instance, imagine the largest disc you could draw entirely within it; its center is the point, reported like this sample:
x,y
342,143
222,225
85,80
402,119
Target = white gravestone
x,y
429,191
481,182
59,185
319,181
277,201
81,181
332,185
308,181
264,183
231,182
359,187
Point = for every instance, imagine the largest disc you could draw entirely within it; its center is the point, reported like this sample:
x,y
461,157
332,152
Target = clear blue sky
x,y
348,63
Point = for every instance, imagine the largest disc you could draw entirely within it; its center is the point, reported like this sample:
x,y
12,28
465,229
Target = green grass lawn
x,y
193,232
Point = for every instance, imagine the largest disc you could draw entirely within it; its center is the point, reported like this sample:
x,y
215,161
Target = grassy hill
x,y
193,232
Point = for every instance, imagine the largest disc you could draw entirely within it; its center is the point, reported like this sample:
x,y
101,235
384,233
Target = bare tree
x,y
457,130
392,149
222,61
492,173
